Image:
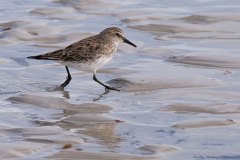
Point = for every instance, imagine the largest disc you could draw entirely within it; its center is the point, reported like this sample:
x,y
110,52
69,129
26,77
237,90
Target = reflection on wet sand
x,y
155,152
208,60
22,149
90,5
92,125
203,123
164,77
84,118
203,108
99,156
61,104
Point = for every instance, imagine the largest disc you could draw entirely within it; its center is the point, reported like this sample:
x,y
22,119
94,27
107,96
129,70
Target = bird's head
x,y
117,35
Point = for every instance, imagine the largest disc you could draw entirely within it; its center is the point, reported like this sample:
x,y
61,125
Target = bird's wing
x,y
81,51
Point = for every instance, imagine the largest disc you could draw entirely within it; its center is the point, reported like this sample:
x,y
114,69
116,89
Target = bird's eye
x,y
118,34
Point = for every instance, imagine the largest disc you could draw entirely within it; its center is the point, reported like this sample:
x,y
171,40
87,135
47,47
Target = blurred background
x,y
180,88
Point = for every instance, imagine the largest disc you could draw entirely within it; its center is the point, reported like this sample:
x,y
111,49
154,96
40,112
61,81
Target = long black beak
x,y
128,42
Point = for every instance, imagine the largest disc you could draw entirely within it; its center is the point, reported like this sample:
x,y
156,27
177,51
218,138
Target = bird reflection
x,y
101,95
65,94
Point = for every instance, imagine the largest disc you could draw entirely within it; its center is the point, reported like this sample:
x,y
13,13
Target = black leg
x,y
68,78
106,86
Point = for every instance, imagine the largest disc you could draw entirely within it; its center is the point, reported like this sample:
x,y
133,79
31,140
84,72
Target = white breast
x,y
88,66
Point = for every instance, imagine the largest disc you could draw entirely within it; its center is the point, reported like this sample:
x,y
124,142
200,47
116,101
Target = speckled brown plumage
x,y
90,53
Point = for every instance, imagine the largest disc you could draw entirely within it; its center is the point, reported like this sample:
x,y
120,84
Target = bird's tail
x,y
36,57
55,55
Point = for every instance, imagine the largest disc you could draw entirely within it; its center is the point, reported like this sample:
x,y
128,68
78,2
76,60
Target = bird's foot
x,y
111,88
64,84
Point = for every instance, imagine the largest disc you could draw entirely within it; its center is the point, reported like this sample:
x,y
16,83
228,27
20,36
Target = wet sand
x,y
180,88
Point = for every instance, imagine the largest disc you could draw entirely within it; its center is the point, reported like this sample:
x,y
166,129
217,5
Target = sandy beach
x,y
180,88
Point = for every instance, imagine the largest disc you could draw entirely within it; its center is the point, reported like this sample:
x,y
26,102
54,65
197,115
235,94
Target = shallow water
x,y
180,89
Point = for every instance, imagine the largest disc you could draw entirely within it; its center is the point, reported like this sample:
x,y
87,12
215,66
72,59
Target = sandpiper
x,y
88,54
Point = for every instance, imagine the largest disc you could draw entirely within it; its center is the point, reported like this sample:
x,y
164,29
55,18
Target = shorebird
x,y
88,54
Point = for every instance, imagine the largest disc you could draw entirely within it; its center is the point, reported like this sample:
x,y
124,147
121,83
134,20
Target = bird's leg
x,y
106,86
68,79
